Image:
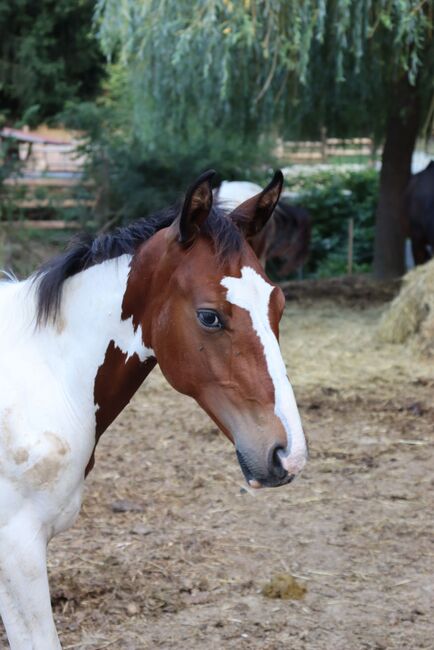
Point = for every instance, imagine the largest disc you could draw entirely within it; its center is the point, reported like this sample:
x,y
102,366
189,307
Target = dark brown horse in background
x,y
419,207
285,239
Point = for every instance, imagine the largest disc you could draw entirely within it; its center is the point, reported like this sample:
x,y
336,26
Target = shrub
x,y
332,198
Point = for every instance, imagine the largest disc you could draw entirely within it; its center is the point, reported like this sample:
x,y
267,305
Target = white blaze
x,y
252,293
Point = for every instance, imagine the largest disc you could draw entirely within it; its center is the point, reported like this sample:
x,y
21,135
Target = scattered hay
x,y
284,586
411,314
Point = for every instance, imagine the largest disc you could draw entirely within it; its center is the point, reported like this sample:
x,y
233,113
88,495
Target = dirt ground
x,y
172,551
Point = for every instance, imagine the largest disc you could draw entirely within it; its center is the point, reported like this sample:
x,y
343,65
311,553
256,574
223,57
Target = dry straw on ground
x,y
410,316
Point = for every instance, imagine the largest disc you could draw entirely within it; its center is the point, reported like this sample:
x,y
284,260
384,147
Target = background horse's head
x,y
289,246
212,320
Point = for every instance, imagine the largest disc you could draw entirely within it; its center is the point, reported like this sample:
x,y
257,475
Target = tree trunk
x,y
401,133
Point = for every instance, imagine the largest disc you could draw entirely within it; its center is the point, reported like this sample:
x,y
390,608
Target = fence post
x,y
323,144
350,246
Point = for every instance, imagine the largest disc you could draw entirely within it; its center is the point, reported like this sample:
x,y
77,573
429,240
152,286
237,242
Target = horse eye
x,y
209,318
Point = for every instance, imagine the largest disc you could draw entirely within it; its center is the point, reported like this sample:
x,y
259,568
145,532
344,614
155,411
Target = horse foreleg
x,y
24,593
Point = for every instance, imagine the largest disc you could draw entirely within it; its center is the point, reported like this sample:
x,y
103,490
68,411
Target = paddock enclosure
x,y
172,551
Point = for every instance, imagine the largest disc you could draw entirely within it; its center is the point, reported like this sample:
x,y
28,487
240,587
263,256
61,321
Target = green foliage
x,y
332,200
48,55
259,66
134,178
9,161
23,250
9,164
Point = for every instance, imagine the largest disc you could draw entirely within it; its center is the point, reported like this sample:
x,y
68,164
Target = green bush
x,y
132,176
332,199
9,165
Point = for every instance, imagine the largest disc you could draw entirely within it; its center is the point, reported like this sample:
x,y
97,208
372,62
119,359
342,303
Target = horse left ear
x,y
252,215
196,208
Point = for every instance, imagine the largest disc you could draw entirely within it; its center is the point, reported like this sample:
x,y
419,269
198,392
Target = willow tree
x,y
288,67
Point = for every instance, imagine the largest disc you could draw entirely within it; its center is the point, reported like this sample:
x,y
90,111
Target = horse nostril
x,y
276,464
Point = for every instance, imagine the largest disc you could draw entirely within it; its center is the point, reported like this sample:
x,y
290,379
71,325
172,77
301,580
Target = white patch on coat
x,y
47,377
252,293
130,342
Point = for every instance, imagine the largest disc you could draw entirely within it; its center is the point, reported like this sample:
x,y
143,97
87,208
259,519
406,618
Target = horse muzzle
x,y
279,468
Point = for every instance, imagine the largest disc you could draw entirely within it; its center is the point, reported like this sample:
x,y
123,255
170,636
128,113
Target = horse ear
x,y
252,215
196,208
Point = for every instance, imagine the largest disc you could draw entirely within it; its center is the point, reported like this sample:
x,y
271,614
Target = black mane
x,y
85,251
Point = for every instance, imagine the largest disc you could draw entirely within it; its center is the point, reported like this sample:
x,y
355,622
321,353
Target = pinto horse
x,y
286,237
182,289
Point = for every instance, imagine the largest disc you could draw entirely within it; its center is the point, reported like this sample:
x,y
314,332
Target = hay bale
x,y
410,316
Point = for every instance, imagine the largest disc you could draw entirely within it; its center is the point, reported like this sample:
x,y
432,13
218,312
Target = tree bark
x,y
401,132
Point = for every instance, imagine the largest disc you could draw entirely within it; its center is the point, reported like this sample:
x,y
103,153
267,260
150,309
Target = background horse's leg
x,y
24,593
420,250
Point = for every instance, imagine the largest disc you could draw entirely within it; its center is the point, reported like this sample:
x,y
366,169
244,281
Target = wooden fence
x,y
324,150
50,181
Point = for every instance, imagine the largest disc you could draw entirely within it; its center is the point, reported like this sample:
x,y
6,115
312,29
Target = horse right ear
x,y
252,215
196,208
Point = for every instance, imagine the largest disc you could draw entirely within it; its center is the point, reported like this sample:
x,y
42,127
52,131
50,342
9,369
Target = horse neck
x,y
97,352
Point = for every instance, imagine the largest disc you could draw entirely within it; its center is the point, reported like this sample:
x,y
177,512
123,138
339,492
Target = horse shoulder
x,y
44,443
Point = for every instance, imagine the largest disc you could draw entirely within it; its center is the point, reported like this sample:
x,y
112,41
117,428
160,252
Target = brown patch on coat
x,y
226,371
118,378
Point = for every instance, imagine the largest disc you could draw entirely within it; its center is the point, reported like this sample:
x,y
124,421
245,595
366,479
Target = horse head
x,y
211,316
